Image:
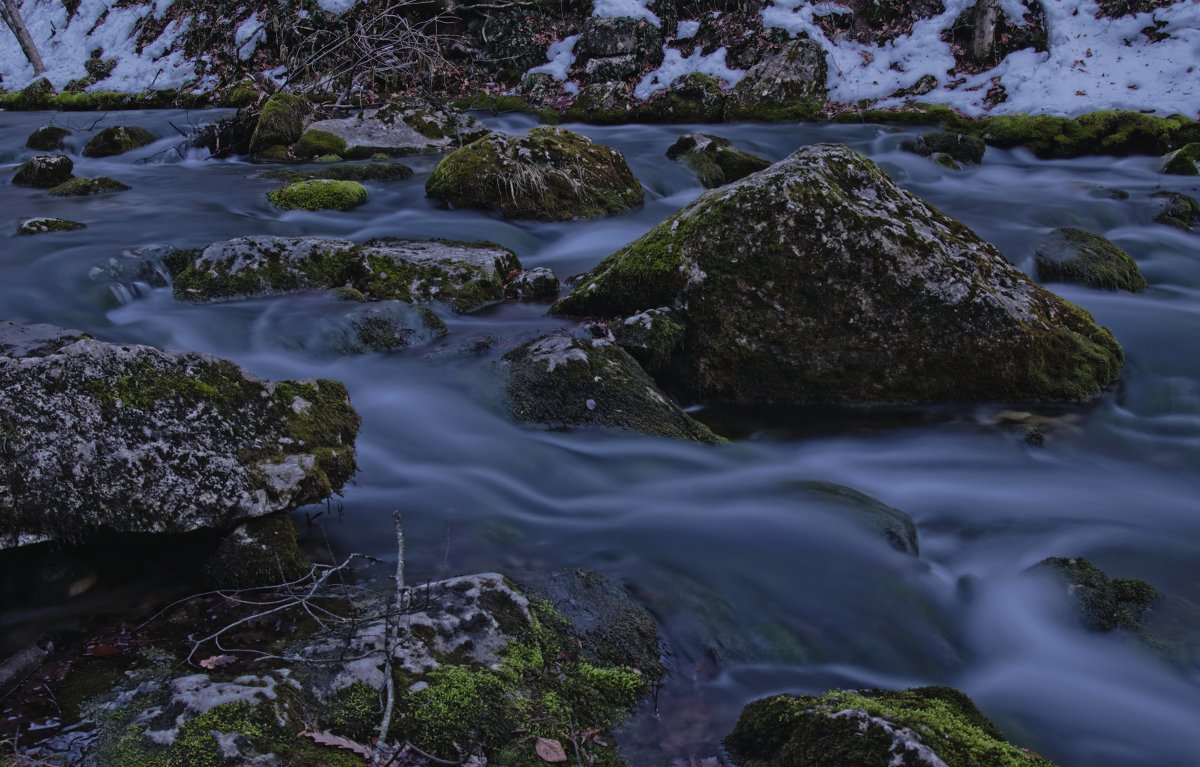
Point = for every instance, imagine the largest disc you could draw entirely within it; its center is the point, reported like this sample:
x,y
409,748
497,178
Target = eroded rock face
x,y
922,727
789,82
560,381
100,436
467,276
549,174
819,280
614,49
404,126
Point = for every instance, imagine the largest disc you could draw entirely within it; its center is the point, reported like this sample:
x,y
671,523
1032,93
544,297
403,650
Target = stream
x,y
758,588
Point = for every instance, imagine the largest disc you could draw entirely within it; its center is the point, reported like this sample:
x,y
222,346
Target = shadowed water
x,y
759,588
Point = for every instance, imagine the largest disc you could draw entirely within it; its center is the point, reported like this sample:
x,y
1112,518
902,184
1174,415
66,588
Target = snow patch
x,y
248,35
633,9
560,56
675,65
686,30
336,6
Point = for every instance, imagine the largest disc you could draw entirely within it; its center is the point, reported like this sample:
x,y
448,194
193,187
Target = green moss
x,y
39,94
912,113
243,94
1107,132
259,552
85,187
314,143
769,111
1074,255
118,139
275,153
1180,211
282,121
147,385
319,194
355,712
1184,161
813,731
1098,603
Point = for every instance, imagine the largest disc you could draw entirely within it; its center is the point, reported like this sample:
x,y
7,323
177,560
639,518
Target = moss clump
x,y
118,139
281,123
857,727
243,94
715,161
548,174
316,143
1108,132
86,187
1084,258
45,225
319,194
1184,161
44,171
259,552
1099,603
47,138
39,94
355,712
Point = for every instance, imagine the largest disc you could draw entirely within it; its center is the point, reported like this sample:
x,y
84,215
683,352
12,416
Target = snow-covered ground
x,y
66,45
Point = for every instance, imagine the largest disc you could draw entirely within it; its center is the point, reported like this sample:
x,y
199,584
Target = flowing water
x,y
758,588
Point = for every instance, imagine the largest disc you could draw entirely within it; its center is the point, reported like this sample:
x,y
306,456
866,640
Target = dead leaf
x,y
216,661
550,750
337,741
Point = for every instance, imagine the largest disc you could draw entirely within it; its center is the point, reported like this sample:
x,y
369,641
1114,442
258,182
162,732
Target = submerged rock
x,y
788,84
404,126
467,276
893,525
1097,602
957,146
1074,255
715,161
44,225
319,194
44,171
1184,161
118,139
921,727
560,381
100,436
551,174
47,138
1179,211
819,280
86,187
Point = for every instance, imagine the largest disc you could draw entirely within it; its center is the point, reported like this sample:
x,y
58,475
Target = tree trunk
x,y
12,17
983,42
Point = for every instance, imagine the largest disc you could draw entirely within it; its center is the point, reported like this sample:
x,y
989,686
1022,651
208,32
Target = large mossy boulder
x,y
786,85
319,194
714,159
44,171
819,280
281,122
116,140
467,276
1084,258
921,727
550,174
563,382
47,138
125,438
403,126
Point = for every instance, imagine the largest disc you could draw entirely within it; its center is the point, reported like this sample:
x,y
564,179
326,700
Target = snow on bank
x,y
66,44
1093,63
560,55
675,65
633,9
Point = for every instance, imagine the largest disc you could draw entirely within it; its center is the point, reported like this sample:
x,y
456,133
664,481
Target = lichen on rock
x,y
467,276
1075,255
714,159
921,727
819,280
126,438
560,381
44,171
45,225
548,174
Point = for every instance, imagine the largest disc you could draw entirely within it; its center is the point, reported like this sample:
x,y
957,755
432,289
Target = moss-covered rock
x,y
118,139
714,159
86,187
607,103
819,280
786,85
467,276
281,122
961,147
560,382
319,194
891,524
1184,161
259,552
692,98
1107,132
921,727
45,225
316,143
125,438
1074,255
548,174
47,138
274,153
1179,210
533,284
44,171
1097,602
39,94
403,126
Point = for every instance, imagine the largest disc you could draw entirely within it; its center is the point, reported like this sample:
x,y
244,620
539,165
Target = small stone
x,y
44,225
